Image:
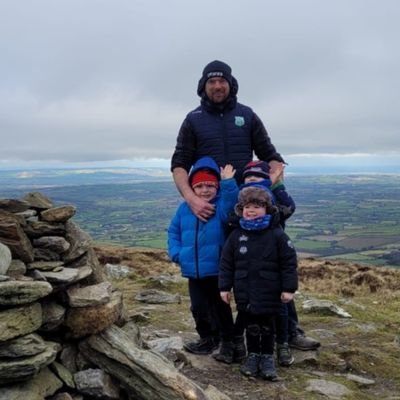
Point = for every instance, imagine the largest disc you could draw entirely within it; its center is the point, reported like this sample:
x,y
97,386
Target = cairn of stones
x,y
63,335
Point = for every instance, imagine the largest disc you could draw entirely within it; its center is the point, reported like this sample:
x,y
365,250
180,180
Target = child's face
x,y
253,178
205,191
253,211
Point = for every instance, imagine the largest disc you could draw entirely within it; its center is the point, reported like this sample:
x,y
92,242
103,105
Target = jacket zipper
x,y
225,140
196,248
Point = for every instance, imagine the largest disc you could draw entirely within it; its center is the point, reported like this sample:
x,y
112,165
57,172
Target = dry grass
x,y
348,279
368,344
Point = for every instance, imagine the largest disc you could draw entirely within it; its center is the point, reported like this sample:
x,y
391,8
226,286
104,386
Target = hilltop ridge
x,y
364,347
56,285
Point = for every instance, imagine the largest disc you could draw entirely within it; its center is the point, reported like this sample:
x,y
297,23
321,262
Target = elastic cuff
x,y
277,185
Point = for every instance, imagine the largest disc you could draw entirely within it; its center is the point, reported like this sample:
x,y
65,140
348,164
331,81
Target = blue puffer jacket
x,y
195,245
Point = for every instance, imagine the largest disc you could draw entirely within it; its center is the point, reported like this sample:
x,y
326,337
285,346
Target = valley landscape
x,y
350,217
354,311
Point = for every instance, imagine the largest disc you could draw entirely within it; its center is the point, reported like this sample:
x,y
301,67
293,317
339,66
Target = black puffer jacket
x,y
229,135
259,265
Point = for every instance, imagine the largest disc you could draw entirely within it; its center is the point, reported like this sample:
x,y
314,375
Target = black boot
x,y
203,346
225,352
239,349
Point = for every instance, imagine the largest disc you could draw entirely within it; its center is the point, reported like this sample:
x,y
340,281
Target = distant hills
x,y
352,217
79,176
45,177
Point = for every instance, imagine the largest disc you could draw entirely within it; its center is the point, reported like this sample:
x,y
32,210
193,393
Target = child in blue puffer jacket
x,y
196,246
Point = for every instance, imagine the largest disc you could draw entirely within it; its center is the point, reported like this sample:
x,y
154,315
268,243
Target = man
x,y
230,133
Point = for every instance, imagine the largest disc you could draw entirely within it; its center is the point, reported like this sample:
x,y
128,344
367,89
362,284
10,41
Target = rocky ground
x,y
352,310
63,323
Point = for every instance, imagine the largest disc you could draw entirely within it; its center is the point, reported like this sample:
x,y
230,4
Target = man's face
x,y
217,89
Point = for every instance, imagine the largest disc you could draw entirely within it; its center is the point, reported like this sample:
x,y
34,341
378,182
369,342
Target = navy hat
x,y
216,69
256,168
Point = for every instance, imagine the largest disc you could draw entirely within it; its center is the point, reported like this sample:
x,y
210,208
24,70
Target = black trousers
x,y
286,323
260,332
212,316
293,321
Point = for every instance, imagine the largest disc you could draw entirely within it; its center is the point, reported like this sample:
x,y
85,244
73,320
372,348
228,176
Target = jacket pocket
x,y
241,274
270,276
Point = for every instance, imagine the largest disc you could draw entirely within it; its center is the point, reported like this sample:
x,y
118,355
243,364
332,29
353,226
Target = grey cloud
x,y
96,80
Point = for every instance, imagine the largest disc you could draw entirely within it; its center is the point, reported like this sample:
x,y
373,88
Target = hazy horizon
x,y
296,164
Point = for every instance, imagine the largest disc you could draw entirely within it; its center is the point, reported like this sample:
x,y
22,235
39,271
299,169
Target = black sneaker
x,y
250,366
285,357
302,342
267,367
225,353
202,346
239,349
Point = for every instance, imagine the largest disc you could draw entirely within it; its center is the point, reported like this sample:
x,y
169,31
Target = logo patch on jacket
x,y
243,250
290,244
243,238
239,121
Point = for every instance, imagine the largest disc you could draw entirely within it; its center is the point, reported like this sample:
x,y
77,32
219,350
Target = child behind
x,y
196,246
260,264
257,174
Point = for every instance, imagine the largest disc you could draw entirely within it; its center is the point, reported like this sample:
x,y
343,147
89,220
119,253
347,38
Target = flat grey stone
x,y
23,346
58,214
5,259
90,295
13,293
332,390
67,275
24,368
19,321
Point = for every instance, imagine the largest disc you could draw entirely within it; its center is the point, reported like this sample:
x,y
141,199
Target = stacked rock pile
x,y
62,333
52,292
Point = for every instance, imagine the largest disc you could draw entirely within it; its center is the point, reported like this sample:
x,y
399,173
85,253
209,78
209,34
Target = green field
x,y
354,217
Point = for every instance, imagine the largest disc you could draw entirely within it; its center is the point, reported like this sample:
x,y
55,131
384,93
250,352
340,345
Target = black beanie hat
x,y
217,69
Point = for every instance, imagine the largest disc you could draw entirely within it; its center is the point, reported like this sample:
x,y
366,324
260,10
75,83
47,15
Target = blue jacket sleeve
x,y
175,237
229,192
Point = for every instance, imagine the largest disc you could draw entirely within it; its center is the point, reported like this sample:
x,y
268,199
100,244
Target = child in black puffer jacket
x,y
259,263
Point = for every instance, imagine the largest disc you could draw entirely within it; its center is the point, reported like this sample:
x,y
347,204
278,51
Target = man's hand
x,y
286,297
201,208
227,172
276,171
226,297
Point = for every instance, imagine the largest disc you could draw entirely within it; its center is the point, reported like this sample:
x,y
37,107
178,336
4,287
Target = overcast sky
x,y
101,80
